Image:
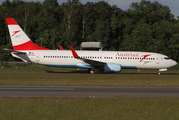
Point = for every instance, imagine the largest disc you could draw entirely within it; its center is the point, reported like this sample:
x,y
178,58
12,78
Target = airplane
x,y
107,61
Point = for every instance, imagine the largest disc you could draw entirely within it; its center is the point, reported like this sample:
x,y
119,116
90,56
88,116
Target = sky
x,y
125,4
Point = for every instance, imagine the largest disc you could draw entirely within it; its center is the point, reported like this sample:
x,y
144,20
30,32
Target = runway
x,y
86,91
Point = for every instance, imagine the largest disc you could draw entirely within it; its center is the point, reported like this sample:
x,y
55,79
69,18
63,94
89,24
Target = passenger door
x,y
37,57
157,60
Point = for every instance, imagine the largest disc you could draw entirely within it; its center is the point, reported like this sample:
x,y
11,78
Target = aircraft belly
x,y
150,65
64,63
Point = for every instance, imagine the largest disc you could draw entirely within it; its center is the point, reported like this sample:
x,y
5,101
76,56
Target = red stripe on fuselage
x,y
11,21
29,46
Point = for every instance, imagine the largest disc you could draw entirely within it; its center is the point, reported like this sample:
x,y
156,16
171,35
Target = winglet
x,y
75,55
61,48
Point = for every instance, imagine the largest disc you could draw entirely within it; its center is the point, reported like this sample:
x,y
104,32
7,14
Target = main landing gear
x,y
91,71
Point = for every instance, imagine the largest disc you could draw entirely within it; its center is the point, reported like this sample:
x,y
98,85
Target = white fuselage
x,y
127,59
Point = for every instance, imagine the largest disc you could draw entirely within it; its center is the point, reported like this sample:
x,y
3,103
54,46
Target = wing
x,y
89,61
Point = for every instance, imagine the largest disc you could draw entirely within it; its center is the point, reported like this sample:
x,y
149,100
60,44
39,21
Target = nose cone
x,y
174,63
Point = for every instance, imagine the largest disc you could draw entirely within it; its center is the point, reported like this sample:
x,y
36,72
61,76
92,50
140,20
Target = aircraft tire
x,y
91,71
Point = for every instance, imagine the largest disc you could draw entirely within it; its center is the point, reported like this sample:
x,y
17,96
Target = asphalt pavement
x,y
86,91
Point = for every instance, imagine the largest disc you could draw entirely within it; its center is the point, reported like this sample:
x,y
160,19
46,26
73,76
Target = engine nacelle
x,y
112,67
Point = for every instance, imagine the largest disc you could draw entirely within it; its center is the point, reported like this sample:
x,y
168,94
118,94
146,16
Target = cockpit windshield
x,y
166,58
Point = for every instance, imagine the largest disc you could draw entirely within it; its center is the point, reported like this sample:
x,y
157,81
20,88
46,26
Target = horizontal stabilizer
x,y
10,50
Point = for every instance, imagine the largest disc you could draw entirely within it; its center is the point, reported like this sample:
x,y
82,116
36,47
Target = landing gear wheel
x,y
91,71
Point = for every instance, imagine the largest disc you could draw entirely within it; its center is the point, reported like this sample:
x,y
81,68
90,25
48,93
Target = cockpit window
x,y
166,58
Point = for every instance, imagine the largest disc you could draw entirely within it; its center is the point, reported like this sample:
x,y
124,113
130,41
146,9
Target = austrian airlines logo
x,y
15,32
144,56
134,55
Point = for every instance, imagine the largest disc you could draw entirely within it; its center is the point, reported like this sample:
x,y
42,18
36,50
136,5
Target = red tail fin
x,y
19,39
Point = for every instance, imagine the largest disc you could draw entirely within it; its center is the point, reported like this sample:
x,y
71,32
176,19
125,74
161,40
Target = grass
x,y
88,79
89,108
73,77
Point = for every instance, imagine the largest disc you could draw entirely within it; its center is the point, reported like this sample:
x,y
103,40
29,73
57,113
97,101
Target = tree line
x,y
145,26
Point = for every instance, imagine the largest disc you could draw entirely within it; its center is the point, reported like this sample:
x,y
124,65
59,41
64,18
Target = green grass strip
x,y
89,108
42,75
72,79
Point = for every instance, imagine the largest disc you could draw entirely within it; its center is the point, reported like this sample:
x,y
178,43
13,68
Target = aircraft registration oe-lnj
x,y
108,61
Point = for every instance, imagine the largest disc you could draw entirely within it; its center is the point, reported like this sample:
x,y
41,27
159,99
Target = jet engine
x,y
112,67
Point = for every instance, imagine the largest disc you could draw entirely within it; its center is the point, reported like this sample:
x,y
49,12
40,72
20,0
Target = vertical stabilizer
x,y
19,39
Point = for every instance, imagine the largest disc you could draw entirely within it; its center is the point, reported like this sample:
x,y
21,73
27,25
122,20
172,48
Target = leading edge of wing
x,y
89,61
